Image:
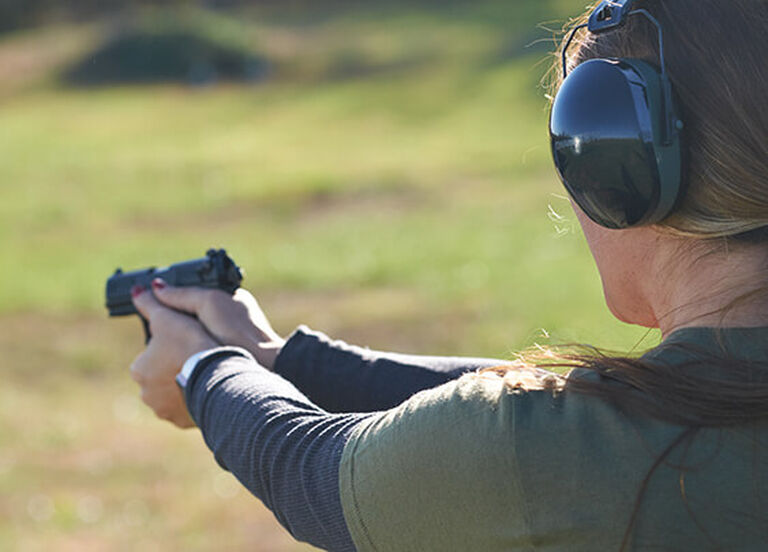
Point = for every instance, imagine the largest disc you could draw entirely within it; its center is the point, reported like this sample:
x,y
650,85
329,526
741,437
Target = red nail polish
x,y
158,283
137,290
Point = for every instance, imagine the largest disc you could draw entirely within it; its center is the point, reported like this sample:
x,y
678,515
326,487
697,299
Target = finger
x,y
145,302
141,368
186,299
137,369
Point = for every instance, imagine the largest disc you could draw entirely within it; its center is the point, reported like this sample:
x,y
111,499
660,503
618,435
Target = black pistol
x,y
216,270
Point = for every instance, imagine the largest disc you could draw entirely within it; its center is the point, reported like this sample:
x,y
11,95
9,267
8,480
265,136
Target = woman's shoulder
x,y
478,405
487,409
497,459
424,467
459,451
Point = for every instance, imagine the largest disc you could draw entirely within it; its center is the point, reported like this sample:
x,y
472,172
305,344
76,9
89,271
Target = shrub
x,y
186,46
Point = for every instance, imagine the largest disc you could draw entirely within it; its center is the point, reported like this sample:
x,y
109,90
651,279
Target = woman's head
x,y
715,57
714,54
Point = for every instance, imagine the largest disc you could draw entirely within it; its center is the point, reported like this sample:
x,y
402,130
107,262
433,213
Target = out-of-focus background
x,y
380,169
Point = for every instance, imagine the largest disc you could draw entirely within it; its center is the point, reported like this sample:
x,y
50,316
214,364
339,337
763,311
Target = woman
x,y
665,452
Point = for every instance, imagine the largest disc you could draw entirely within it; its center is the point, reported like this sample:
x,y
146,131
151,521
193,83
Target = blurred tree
x,y
182,44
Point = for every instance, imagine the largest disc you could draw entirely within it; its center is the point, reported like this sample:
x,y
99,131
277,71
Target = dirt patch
x,y
28,59
305,207
382,319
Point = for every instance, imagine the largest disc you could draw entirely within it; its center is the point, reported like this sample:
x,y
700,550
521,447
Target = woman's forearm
x,y
278,444
343,378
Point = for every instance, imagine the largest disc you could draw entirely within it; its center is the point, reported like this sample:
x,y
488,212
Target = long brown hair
x,y
716,58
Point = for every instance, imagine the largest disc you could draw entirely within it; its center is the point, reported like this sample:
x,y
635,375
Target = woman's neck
x,y
723,288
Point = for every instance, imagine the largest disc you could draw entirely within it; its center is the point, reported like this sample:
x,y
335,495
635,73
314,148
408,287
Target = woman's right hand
x,y
231,319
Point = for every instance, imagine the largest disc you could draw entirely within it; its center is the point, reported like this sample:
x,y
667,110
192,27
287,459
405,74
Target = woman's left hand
x,y
175,337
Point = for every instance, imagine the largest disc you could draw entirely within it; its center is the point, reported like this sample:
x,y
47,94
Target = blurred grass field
x,y
389,183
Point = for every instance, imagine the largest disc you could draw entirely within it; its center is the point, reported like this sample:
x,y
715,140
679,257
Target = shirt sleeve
x,y
345,378
437,473
282,447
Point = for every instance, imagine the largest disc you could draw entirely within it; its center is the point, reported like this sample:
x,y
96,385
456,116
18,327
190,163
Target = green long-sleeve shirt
x,y
473,466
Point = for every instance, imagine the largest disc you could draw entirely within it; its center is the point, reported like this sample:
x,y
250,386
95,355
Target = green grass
x,y
390,184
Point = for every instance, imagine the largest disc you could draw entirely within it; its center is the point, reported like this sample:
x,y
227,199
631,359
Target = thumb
x,y
185,299
145,302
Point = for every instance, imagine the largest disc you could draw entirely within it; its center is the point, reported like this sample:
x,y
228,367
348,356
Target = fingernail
x,y
158,283
137,290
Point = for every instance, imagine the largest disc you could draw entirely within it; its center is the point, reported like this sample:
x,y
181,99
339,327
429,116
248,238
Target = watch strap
x,y
202,358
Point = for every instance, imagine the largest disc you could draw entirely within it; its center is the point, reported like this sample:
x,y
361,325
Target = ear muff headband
x,y
615,132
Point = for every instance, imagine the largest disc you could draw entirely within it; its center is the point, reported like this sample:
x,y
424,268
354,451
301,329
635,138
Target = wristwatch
x,y
191,364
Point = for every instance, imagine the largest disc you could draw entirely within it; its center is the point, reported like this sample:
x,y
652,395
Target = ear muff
x,y
609,130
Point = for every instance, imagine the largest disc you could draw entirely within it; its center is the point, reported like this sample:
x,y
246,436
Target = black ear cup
x,y
615,130
606,130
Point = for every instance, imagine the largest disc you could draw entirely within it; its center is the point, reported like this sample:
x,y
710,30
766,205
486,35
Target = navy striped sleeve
x,y
345,378
282,447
